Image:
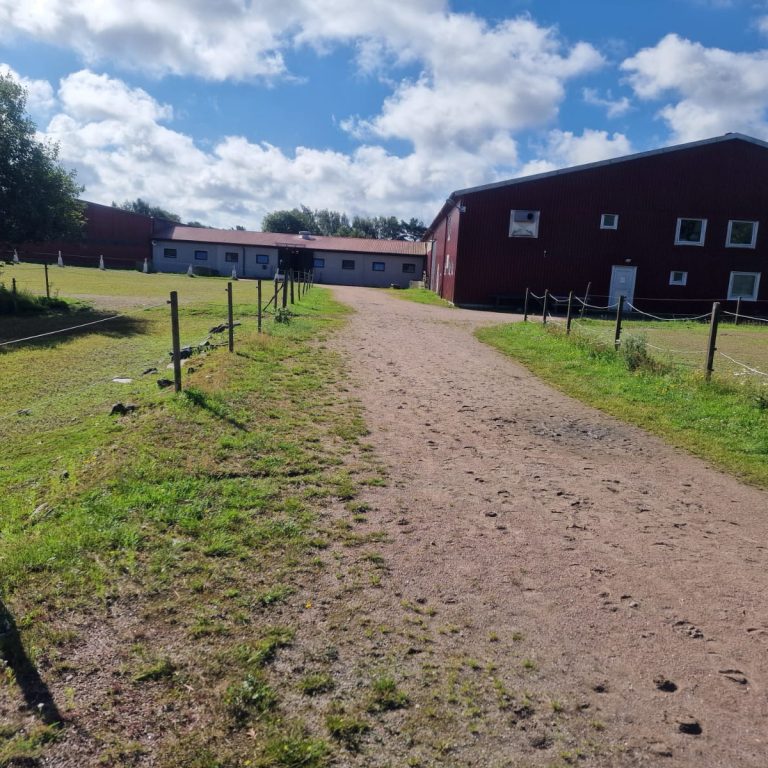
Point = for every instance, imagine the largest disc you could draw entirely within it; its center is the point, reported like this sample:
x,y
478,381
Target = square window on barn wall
x,y
348,264
231,256
744,285
318,262
409,269
609,221
678,278
201,255
741,234
524,223
690,231
262,258
169,253
378,266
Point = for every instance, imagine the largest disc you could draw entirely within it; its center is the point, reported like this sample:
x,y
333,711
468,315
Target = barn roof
x,y
180,233
454,196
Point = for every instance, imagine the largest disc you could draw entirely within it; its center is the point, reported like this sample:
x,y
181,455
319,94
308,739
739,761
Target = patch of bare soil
x,y
607,589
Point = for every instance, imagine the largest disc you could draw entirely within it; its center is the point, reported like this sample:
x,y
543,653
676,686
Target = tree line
x,y
338,224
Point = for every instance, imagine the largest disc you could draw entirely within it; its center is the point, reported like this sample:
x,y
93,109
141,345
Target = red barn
x,y
671,229
122,237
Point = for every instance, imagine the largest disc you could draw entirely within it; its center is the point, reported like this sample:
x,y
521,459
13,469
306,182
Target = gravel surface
x,y
635,572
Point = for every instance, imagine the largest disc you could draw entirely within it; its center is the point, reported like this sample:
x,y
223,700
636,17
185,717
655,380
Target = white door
x,y
622,284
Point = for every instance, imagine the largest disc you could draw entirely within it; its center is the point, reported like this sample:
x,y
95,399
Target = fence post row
x,y
712,339
174,302
619,313
230,318
545,307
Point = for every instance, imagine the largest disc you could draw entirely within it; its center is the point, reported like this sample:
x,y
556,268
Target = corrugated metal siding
x,y
717,182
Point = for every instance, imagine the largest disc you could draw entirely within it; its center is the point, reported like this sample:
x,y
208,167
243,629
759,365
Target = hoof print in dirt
x,y
735,675
659,749
663,684
689,726
491,513
600,688
164,383
540,741
689,629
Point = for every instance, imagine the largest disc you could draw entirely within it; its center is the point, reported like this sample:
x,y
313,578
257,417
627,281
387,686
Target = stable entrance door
x,y
622,284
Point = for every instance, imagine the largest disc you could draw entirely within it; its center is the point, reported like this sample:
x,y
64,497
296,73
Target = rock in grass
x,y
164,383
118,409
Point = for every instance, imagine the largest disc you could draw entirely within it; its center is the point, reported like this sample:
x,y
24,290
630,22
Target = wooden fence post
x,y
712,339
291,280
285,287
174,302
738,311
545,307
230,318
47,284
619,313
569,316
525,306
259,302
586,299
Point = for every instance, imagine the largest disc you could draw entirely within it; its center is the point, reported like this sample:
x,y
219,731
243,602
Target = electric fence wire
x,y
746,317
78,327
746,367
684,319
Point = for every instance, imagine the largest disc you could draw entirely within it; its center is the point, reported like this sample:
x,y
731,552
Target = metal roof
x,y
180,233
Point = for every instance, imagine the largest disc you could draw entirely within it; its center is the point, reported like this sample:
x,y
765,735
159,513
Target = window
x,y
231,256
348,264
678,278
262,258
409,269
741,234
169,253
690,231
201,255
609,221
378,266
318,263
744,285
524,224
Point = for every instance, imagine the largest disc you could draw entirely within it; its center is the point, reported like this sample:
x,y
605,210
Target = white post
x,y
190,271
101,263
15,257
60,262
234,273
145,269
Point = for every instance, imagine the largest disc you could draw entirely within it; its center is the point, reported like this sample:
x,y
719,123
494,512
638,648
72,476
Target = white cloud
x,y
564,149
40,98
717,90
613,107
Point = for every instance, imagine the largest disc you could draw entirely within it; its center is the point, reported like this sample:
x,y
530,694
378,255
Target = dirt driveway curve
x,y
630,568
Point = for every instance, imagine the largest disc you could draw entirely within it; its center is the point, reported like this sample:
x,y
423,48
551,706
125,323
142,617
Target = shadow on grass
x,y
82,322
217,409
35,692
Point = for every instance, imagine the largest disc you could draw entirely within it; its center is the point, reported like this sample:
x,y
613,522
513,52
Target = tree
x,y
38,198
290,222
142,206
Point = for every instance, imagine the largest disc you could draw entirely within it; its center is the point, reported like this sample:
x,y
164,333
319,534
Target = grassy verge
x,y
419,295
181,537
713,420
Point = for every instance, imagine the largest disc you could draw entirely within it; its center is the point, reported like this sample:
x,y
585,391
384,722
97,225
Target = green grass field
x,y
725,420
419,295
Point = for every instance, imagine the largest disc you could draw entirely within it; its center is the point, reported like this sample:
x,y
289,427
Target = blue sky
x,y
224,111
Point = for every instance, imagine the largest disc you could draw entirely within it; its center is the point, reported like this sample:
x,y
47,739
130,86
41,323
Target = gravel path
x,y
628,566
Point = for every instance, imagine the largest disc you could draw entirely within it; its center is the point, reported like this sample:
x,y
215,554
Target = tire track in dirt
x,y
631,567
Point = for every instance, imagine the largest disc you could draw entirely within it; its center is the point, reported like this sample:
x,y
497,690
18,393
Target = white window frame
x,y
531,232
731,222
201,255
682,281
604,225
318,262
755,292
700,242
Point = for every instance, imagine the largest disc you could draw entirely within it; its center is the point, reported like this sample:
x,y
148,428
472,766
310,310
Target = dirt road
x,y
617,573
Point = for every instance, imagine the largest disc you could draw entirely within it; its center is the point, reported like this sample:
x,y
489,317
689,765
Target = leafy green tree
x,y
38,198
290,222
142,206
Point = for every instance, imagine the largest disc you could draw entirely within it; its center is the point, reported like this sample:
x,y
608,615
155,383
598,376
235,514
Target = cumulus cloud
x,y
717,90
613,107
564,148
